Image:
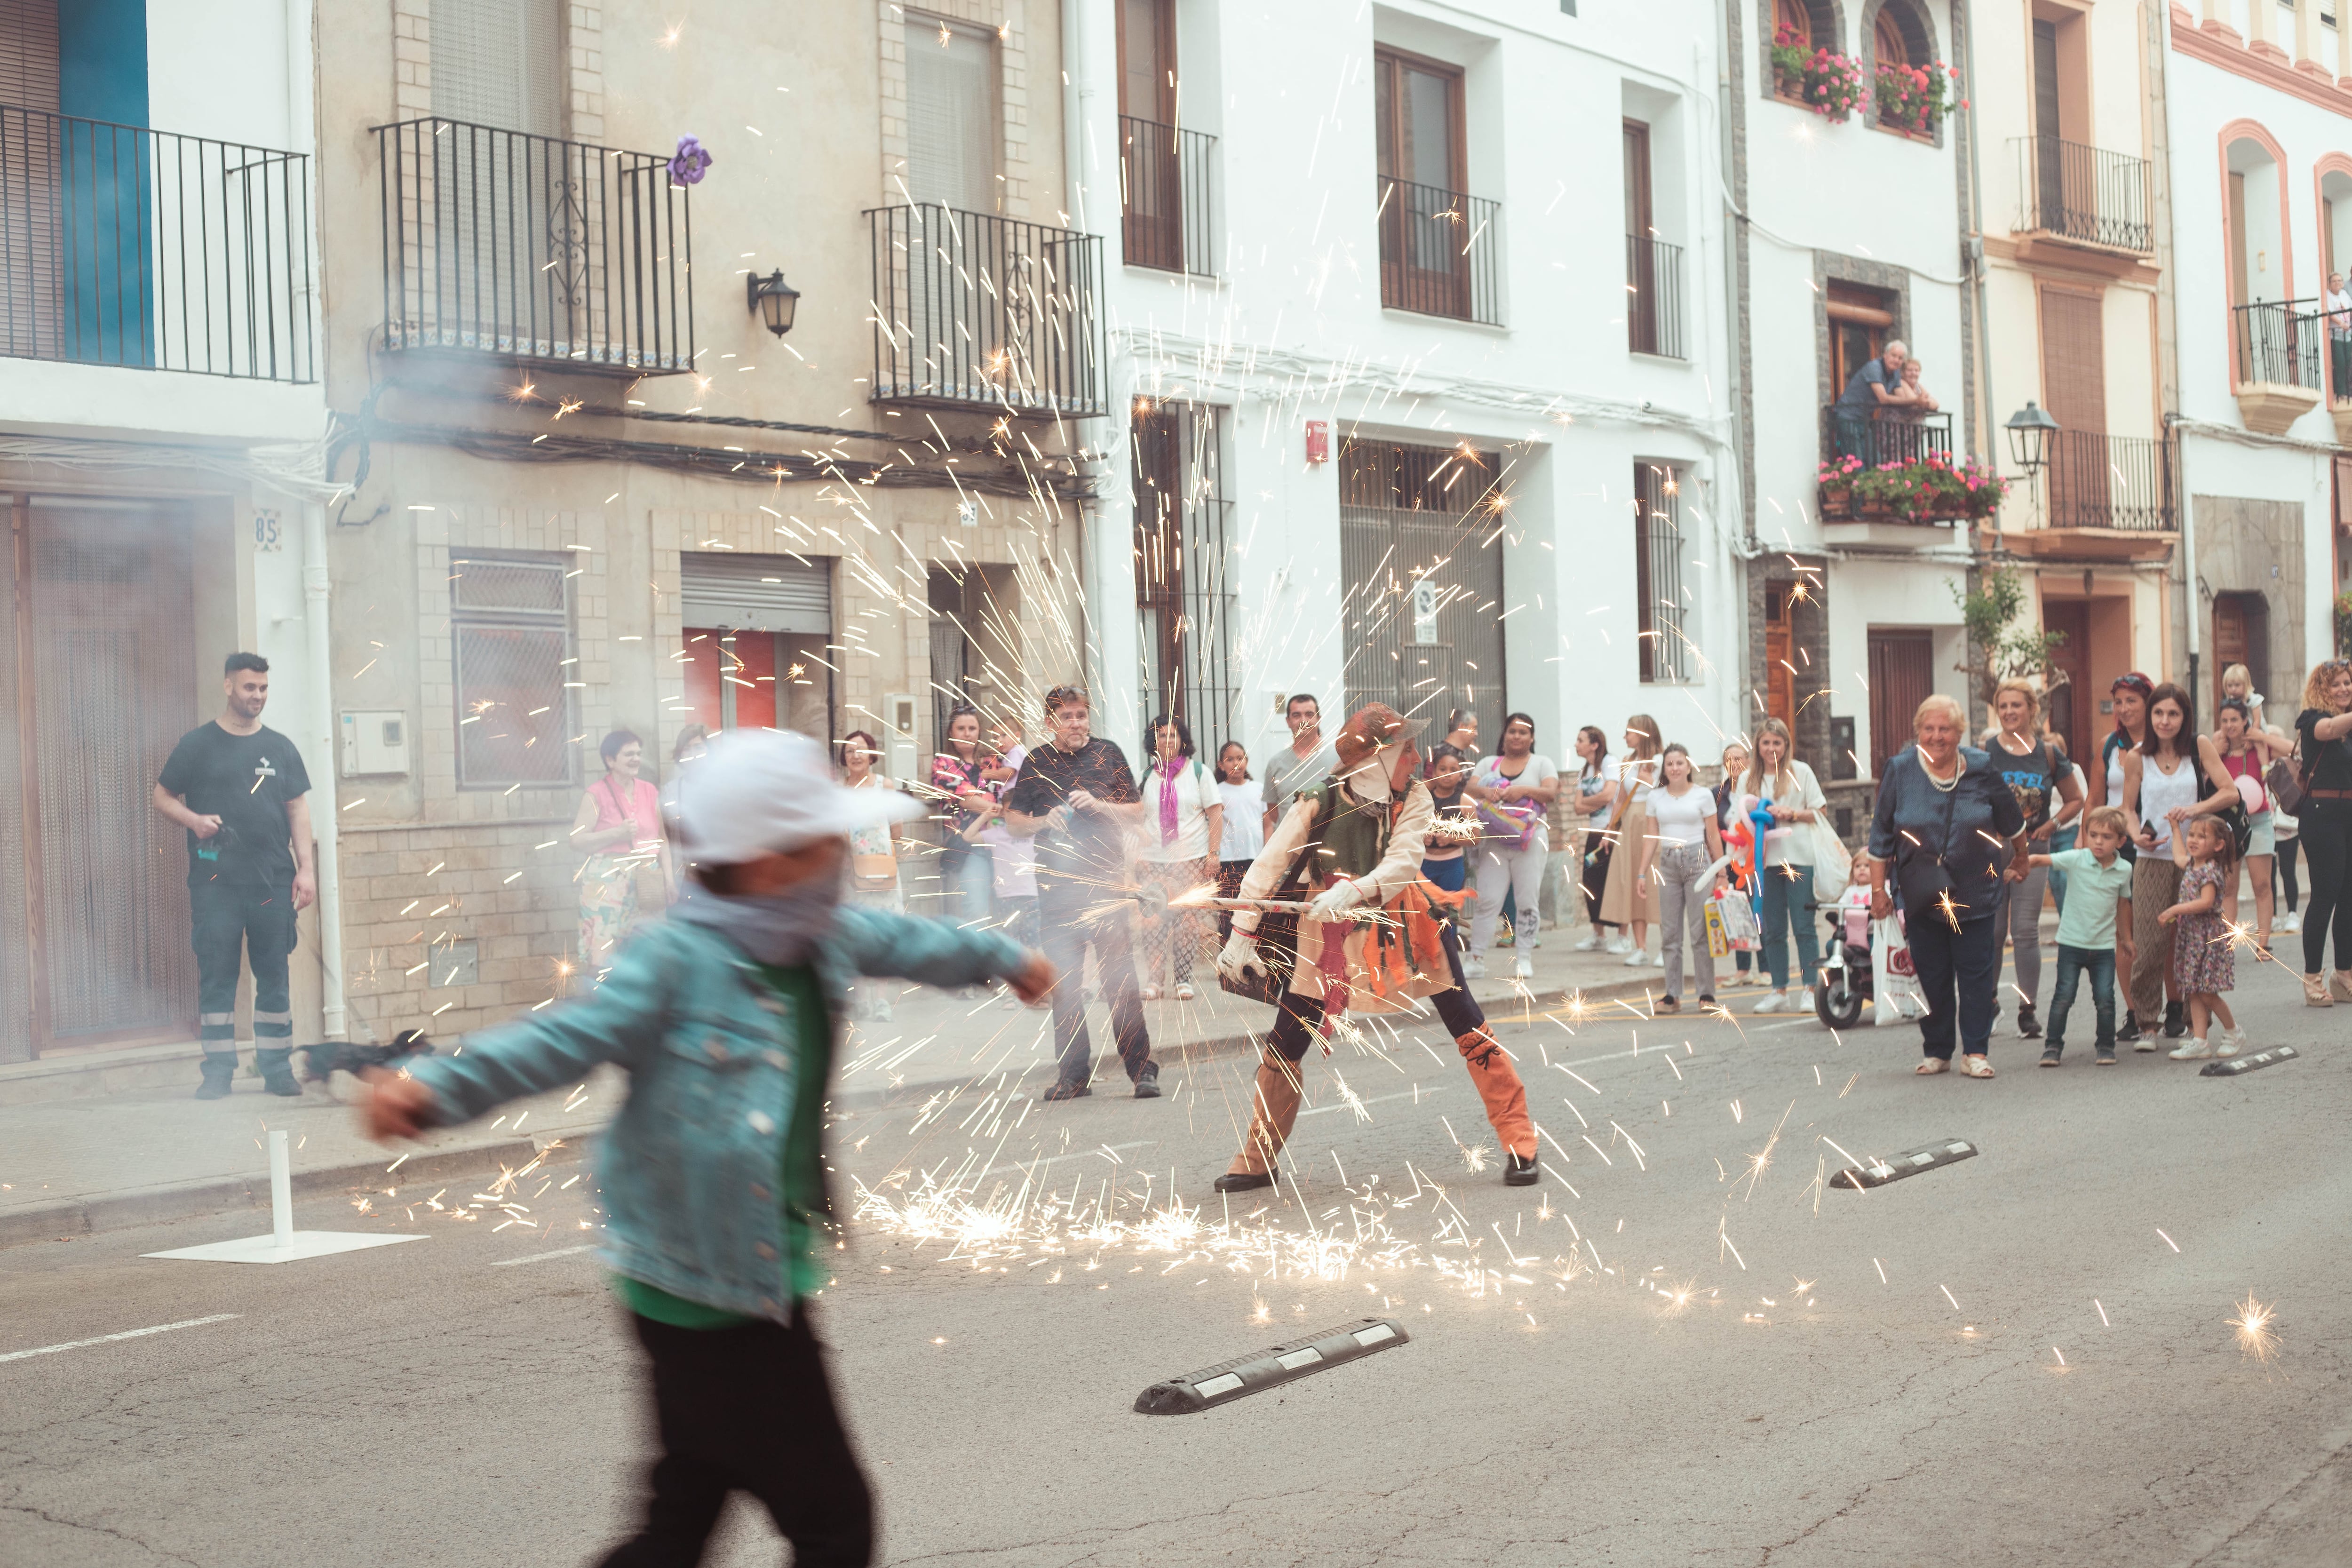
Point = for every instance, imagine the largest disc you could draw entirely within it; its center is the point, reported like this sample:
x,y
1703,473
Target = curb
x,y
189,1200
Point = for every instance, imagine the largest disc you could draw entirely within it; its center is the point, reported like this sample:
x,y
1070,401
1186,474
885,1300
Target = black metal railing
x,y
1166,196
1879,436
1654,296
2122,482
1441,252
2278,342
2084,193
977,312
495,242
122,246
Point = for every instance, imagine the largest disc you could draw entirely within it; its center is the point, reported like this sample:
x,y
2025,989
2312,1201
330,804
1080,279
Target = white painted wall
x,y
220,69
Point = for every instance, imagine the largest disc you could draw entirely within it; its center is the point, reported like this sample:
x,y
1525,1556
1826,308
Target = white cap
x,y
762,791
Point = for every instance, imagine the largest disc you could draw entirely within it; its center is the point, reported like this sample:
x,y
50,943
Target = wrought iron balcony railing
x,y
122,246
1654,296
983,312
2120,482
2278,342
560,253
2086,195
1167,196
1881,437
1441,252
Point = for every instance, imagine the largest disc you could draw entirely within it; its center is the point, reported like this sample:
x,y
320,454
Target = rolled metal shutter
x,y
756,593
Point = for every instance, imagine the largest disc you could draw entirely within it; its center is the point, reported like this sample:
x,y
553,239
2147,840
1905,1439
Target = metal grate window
x,y
511,636
1666,652
1183,589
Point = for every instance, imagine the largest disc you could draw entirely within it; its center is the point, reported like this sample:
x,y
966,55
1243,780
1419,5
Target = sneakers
x,y
1659,960
1072,1091
1619,944
1473,968
1524,969
2191,1050
2029,1027
1591,941
1635,958
2233,1042
2176,1021
1778,1002
2128,1035
1147,1082
2290,921
2050,1055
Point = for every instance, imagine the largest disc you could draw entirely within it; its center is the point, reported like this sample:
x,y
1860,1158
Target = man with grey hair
x,y
1872,391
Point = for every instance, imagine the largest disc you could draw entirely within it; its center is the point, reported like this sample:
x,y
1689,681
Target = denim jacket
x,y
688,1166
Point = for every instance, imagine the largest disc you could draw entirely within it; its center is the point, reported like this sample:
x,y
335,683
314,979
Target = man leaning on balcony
x,y
1876,386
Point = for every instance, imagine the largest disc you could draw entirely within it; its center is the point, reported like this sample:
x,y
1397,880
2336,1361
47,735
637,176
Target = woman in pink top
x,y
619,825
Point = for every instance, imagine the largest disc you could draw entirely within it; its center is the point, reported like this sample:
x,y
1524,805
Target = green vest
x,y
1349,836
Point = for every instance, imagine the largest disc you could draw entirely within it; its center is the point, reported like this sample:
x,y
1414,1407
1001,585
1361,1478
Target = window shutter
x,y
755,592
2073,361
950,115
29,161
499,63
28,54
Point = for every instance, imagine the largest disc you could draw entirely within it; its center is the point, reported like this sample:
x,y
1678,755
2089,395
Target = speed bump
x,y
1950,1151
2236,1065
1261,1370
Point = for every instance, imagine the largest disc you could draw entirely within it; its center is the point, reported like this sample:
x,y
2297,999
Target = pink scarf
x,y
1167,800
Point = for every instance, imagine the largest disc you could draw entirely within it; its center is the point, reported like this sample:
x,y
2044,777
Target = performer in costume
x,y
1356,843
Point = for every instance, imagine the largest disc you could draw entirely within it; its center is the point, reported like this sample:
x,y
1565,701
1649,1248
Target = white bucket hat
x,y
764,792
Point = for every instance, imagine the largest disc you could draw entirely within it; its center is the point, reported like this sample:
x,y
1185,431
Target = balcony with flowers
x,y
1899,475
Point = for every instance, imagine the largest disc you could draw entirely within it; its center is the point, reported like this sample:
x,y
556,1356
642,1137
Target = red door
x,y
1902,674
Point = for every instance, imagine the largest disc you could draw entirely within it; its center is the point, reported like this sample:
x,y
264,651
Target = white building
x,y
1417,320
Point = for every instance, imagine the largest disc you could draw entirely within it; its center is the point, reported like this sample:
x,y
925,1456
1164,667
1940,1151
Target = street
x,y
1683,1347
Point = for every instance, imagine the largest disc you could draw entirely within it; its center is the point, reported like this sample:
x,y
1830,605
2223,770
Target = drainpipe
x,y
316,587
2189,607
1976,241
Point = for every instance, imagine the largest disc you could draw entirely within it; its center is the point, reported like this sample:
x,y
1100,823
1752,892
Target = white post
x,y
281,1193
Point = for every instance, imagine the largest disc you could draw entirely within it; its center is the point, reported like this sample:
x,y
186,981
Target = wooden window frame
x,y
1163,109
1394,63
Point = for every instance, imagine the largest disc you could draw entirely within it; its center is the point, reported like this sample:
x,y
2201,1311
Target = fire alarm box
x,y
1318,441
375,744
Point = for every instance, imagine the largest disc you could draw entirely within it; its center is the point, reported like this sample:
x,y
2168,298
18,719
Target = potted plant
x,y
1827,82
1926,490
1916,100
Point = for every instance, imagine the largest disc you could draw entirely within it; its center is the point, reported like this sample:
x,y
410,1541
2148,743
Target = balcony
x,y
1441,252
534,250
1165,197
2277,345
1653,297
986,314
2106,498
1863,450
121,246
2080,195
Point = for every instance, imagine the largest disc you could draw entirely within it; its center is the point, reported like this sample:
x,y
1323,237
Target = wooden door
x,y
2074,381
1150,176
2074,702
1424,223
1779,672
2241,635
1641,253
1902,674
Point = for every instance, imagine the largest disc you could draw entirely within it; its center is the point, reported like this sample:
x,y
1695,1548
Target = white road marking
x,y
1094,1153
542,1256
1426,1091
125,1334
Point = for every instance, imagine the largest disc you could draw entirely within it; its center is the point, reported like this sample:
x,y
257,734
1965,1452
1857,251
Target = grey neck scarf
x,y
784,929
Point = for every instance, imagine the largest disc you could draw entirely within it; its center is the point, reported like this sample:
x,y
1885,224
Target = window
x,y
950,115
499,63
1665,647
1427,223
510,641
1899,40
1793,22
1147,59
1183,596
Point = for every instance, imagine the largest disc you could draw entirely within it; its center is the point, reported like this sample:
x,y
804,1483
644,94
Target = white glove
x,y
1335,900
1240,958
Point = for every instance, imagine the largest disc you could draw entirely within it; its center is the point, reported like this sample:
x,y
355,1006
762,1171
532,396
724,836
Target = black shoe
x,y
1241,1181
219,1068
2129,1034
2029,1027
277,1073
2175,1025
2050,1055
1067,1091
2106,1058
1706,1001
1147,1084
1519,1171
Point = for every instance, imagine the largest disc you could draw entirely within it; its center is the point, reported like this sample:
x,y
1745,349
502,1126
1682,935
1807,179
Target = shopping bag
x,y
1741,931
1718,940
1896,995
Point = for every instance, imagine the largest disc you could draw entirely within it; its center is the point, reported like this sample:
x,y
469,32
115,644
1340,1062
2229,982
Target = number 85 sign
x,y
268,534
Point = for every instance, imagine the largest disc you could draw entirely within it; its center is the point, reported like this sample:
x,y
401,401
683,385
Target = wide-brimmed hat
x,y
1368,729
764,792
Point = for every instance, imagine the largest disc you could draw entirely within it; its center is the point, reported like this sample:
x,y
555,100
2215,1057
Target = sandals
x,y
2315,993
1930,1066
1151,994
2339,985
1976,1067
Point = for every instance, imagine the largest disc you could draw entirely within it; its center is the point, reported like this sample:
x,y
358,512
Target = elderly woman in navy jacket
x,y
1948,827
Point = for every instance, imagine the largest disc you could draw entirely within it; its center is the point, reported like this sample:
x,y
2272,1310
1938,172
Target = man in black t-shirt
x,y
239,788
1077,796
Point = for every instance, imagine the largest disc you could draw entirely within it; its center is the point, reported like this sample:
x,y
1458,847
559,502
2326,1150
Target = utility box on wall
x,y
375,744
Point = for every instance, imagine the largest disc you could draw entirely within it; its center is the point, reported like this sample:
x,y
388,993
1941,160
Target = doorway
x,y
2242,635
752,647
2071,708
97,640
1902,674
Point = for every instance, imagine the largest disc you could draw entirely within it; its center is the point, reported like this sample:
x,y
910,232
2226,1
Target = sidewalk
x,y
105,1147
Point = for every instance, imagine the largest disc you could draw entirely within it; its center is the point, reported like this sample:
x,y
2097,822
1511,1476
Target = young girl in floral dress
x,y
2204,960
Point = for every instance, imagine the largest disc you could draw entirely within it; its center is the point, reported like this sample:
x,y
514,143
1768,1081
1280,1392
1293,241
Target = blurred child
x,y
2098,908
2204,953
1013,880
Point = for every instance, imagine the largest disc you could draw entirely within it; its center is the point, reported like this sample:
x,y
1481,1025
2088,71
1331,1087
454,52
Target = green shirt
x,y
801,1186
2088,920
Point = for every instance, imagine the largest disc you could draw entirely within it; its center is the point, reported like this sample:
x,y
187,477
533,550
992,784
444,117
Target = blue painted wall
x,y
102,59
107,200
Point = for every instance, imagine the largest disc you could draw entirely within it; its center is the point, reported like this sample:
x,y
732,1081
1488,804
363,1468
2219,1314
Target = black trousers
x,y
1296,1018
2325,834
232,923
1596,879
747,1408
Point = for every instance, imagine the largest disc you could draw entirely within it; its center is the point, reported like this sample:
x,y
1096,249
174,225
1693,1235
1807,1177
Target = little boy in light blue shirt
x,y
2098,907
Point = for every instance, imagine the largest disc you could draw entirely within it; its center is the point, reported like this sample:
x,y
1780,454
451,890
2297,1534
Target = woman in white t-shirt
x,y
1244,826
1514,778
1786,865
1182,827
1683,842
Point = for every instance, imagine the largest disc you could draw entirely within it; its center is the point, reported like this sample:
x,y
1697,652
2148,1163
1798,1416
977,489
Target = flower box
x,y
1928,489
1915,99
1827,82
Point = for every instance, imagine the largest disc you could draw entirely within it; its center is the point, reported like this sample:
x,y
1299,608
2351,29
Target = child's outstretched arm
x,y
937,952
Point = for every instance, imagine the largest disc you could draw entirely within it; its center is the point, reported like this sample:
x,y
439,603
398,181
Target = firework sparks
x,y
2257,1335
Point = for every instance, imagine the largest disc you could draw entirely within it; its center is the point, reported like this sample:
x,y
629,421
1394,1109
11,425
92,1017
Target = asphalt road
x,y
1665,1354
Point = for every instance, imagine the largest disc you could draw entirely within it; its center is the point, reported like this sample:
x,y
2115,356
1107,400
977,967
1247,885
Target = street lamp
x,y
2030,429
772,300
